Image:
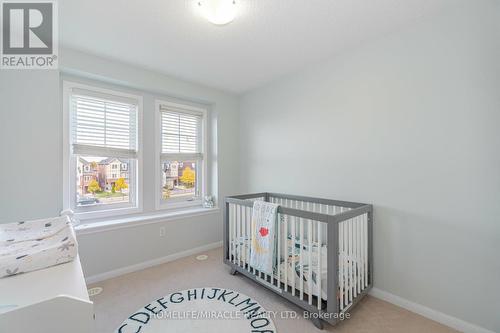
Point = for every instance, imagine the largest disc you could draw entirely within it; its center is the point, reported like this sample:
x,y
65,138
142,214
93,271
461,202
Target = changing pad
x,y
32,245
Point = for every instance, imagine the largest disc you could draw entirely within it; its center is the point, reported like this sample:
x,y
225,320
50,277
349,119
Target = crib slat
x,y
309,278
242,236
346,245
285,241
246,240
346,261
345,271
341,264
342,257
358,254
278,261
233,233
230,230
351,279
294,221
316,225
354,246
238,232
238,235
363,249
310,208
356,262
343,250
360,286
353,253
301,258
230,227
245,237
248,236
365,222
319,271
363,245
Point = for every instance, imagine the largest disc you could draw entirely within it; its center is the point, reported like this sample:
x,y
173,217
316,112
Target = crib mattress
x,y
31,245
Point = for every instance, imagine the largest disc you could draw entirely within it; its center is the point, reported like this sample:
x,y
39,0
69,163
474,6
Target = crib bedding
x,y
264,217
296,259
32,245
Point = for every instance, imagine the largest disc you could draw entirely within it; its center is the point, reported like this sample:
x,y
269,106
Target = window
x,y
102,137
181,155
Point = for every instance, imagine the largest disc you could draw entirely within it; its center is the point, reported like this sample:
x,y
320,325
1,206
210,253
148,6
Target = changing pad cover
x,y
31,245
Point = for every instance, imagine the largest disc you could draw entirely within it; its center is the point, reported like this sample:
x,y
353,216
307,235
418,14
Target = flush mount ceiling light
x,y
218,12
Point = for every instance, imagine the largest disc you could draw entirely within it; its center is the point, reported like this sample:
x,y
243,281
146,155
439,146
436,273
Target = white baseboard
x,y
150,263
424,311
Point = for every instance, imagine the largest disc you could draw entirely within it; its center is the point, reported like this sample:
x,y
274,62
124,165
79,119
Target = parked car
x,y
85,201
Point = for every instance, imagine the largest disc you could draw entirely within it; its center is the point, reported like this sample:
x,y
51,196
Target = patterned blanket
x,y
264,219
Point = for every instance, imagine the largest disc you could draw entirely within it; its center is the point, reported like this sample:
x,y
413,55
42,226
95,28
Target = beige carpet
x,y
125,294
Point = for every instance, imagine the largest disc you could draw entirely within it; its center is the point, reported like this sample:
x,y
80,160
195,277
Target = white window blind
x,y
180,133
103,124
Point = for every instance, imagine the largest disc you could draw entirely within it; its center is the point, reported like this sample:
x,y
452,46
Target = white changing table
x,y
51,300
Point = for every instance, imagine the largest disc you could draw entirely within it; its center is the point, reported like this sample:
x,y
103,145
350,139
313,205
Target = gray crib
x,y
324,251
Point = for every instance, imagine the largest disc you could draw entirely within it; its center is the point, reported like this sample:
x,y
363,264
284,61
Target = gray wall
x,y
30,144
31,166
409,123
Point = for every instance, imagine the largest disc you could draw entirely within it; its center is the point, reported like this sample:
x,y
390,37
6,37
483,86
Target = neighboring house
x,y
86,172
110,170
173,171
106,172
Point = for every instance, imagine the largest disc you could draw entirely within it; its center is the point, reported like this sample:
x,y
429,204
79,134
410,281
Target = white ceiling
x,y
268,39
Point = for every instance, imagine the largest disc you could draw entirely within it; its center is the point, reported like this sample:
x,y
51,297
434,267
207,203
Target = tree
x,y
120,184
188,177
93,186
93,165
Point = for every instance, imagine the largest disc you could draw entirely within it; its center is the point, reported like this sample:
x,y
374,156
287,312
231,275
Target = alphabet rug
x,y
200,310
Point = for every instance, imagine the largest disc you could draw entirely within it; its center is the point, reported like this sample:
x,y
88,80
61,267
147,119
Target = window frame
x,y
201,178
70,159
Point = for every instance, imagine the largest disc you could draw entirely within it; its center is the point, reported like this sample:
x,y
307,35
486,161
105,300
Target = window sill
x,y
180,204
134,221
101,215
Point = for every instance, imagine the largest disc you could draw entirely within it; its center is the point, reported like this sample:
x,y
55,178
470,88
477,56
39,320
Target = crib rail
x,y
324,249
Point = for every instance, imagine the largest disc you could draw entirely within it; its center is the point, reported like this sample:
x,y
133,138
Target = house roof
x,y
82,160
102,162
111,159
